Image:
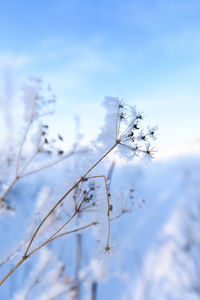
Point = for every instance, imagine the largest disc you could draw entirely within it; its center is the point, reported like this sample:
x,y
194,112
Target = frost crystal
x,y
108,131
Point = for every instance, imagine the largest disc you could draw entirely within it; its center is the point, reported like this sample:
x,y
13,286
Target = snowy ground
x,y
149,259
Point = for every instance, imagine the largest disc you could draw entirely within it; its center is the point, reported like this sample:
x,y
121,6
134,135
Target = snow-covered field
x,y
154,249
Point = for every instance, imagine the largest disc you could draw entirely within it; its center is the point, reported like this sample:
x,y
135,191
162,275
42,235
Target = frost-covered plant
x,y
123,128
89,194
34,150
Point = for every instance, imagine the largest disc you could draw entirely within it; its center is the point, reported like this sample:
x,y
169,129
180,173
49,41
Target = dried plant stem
x,y
26,254
27,163
51,237
116,143
21,146
7,190
13,269
108,207
14,251
74,230
49,213
82,178
51,164
48,241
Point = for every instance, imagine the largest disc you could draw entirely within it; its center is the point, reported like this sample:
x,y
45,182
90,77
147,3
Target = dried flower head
x,y
123,125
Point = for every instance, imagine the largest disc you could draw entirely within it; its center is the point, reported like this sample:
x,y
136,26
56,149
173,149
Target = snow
x,y
143,239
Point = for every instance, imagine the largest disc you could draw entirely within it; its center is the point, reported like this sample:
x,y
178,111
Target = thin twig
x,y
51,237
52,164
33,155
13,269
7,190
60,235
26,164
108,207
74,230
21,148
25,135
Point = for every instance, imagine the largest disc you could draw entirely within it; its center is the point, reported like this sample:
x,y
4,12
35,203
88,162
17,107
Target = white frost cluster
x,y
108,132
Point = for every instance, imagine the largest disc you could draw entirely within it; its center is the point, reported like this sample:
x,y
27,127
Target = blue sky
x,y
145,51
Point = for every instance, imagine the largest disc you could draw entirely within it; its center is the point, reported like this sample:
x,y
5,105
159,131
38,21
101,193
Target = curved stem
x,y
22,145
13,269
74,230
51,238
49,213
108,206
